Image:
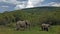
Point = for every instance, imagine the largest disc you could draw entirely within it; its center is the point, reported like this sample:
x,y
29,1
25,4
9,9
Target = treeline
x,y
35,16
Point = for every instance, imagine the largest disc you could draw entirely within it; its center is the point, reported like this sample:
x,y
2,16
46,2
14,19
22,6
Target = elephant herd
x,y
23,24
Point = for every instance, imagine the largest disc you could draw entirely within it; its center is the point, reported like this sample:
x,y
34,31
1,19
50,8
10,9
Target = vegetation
x,y
35,15
33,30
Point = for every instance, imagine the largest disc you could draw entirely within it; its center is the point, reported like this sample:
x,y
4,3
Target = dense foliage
x,y
35,15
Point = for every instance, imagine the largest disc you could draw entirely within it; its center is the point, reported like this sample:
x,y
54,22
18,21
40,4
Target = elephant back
x,y
45,25
21,23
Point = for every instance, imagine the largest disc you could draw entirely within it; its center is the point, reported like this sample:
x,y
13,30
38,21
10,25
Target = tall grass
x,y
33,30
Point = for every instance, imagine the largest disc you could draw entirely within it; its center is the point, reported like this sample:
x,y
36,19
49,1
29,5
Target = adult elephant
x,y
22,24
45,26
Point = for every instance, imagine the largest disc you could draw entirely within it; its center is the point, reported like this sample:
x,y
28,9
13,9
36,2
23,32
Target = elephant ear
x,y
27,22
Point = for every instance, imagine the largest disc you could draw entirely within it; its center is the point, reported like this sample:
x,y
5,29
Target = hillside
x,y
41,9
35,15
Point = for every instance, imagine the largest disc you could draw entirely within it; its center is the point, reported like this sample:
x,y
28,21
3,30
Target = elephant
x,y
45,26
22,24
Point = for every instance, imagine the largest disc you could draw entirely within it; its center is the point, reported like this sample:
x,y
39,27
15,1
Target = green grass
x,y
33,30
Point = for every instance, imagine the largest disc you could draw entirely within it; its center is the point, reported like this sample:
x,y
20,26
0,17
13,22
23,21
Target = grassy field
x,y
33,30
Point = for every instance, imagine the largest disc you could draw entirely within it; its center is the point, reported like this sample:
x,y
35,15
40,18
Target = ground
x,y
33,30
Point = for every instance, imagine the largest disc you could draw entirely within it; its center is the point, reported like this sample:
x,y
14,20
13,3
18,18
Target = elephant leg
x,y
22,28
25,27
46,29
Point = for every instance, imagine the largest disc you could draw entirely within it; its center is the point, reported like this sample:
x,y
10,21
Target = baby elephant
x,y
45,26
22,24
